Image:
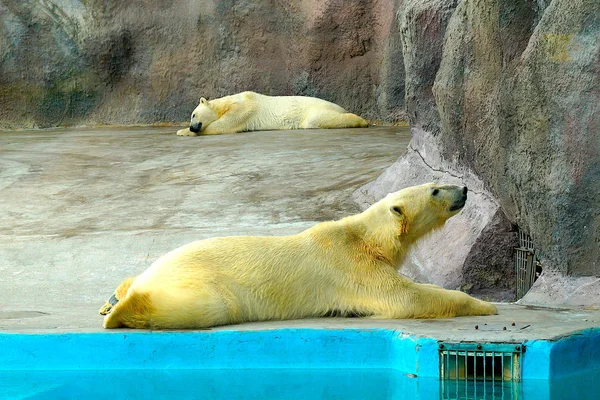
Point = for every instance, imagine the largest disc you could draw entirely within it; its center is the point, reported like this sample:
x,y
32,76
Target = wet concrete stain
x,y
21,314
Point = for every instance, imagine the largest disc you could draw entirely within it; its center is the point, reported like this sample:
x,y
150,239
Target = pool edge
x,y
574,354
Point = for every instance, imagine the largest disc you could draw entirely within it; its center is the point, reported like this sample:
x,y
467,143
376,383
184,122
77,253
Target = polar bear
x,y
345,267
249,111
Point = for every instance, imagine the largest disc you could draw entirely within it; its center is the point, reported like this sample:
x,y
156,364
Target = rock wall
x,y
68,62
512,111
525,117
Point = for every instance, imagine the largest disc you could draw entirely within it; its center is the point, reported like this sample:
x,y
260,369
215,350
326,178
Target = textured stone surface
x,y
93,61
518,93
515,105
554,288
422,26
488,270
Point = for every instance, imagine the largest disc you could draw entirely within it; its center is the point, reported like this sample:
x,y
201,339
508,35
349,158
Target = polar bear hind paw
x,y
119,294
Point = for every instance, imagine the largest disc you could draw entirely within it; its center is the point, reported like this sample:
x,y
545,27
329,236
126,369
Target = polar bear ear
x,y
203,100
397,210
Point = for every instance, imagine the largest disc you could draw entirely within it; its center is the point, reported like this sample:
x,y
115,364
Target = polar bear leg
x,y
415,300
134,311
432,286
174,309
435,302
331,119
220,127
232,121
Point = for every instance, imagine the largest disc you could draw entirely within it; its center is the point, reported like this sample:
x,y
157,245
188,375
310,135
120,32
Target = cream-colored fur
x,y
249,111
341,267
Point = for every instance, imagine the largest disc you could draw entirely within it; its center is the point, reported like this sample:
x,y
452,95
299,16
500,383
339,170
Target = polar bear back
x,y
284,112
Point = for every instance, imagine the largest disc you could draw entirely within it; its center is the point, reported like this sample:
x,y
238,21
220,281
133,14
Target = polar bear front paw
x,y
487,308
186,132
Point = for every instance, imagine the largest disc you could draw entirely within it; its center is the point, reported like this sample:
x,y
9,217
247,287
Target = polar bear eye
x,y
435,191
193,115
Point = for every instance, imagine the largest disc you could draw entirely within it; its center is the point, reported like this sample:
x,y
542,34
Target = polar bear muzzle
x,y
460,202
196,127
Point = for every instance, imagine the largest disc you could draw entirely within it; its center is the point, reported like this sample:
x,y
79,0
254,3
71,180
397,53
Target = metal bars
x,y
472,361
470,370
525,264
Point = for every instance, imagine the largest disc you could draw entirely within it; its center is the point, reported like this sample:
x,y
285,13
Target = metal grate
x,y
526,264
475,390
486,361
471,370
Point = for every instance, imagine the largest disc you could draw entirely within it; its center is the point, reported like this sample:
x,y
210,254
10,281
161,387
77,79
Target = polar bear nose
x,y
196,127
465,190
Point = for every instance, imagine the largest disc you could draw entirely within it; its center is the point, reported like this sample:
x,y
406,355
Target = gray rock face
x,y
422,26
518,92
554,288
89,62
515,105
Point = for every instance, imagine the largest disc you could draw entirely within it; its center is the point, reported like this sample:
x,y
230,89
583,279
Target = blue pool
x,y
273,384
277,364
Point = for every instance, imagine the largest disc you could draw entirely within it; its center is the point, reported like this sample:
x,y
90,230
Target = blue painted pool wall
x,y
418,357
216,384
575,353
288,348
535,363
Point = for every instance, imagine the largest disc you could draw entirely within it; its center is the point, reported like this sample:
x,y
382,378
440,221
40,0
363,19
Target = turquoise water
x,y
584,387
207,384
274,384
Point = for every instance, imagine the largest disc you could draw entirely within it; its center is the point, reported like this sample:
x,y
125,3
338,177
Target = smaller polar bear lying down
x,y
249,111
345,267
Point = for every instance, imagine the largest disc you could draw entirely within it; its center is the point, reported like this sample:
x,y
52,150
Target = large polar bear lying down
x,y
249,111
345,267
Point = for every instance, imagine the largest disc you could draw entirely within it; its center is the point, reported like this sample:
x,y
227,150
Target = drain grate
x,y
480,362
480,371
527,264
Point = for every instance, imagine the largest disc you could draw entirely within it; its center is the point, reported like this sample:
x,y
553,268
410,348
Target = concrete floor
x,y
83,208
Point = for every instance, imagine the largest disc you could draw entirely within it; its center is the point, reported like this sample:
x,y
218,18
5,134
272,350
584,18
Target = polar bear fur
x,y
249,111
345,267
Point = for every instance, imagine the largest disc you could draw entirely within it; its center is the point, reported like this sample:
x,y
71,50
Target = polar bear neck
x,y
377,237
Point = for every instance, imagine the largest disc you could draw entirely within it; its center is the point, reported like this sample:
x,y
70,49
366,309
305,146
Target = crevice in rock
x,y
454,175
432,168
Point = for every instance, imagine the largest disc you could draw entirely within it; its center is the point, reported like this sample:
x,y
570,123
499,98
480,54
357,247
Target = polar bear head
x,y
418,210
202,116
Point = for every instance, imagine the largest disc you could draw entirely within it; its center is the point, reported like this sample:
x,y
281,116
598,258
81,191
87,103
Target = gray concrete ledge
x,y
530,324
